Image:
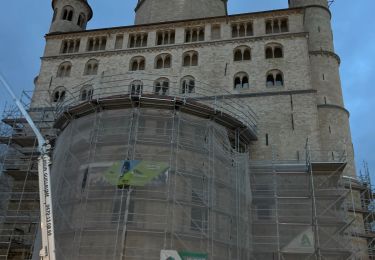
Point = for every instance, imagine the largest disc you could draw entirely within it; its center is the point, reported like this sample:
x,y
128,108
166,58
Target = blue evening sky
x,y
23,23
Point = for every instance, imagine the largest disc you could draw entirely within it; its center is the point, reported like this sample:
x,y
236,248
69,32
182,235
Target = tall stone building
x,y
192,132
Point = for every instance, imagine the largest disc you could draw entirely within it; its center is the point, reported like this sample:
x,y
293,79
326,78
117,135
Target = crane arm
x,y
44,164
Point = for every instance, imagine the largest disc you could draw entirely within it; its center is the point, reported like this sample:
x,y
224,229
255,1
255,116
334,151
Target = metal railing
x,y
112,85
326,156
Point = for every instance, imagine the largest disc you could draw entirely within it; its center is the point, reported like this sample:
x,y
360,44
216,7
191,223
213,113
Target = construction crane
x,y
44,163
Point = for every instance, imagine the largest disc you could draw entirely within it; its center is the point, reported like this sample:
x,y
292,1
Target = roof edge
x,y
182,21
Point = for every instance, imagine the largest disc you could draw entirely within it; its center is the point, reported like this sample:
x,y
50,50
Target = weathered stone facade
x,y
298,108
304,106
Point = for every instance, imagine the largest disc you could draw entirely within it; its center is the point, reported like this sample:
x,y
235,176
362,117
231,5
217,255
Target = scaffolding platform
x,y
13,121
187,105
22,141
328,167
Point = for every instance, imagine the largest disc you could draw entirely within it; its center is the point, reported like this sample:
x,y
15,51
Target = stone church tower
x,y
70,15
154,11
325,78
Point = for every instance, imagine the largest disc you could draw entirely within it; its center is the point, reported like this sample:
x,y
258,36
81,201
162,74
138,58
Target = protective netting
x,y
131,182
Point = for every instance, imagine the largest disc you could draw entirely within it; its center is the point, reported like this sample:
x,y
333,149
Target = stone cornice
x,y
326,53
183,23
331,106
166,48
272,93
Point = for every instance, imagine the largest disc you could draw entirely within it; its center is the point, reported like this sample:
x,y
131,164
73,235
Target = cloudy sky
x,y
23,24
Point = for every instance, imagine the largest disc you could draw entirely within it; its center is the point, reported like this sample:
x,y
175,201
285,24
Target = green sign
x,y
192,256
137,173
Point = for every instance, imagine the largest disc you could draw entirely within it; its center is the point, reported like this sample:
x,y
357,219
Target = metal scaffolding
x,y
368,206
19,182
207,197
298,209
362,206
199,203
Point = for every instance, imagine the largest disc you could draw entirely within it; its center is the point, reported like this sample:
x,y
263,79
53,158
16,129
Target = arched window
x,y
194,59
136,87
279,79
269,53
187,85
242,29
194,34
275,78
277,25
161,86
241,81
278,52
167,61
58,95
134,65
96,43
81,20
165,37
270,80
242,53
91,67
163,61
284,25
187,61
194,37
70,46
159,63
201,34
137,63
237,55
67,13
64,69
247,54
274,50
268,26
86,93
190,58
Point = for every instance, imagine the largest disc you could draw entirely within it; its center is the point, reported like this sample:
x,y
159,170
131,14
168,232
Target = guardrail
x,y
326,156
108,85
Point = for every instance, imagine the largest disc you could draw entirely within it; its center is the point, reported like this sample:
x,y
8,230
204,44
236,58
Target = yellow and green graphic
x,y
137,173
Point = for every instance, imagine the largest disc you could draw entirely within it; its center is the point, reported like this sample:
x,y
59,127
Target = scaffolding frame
x,y
20,213
362,205
299,209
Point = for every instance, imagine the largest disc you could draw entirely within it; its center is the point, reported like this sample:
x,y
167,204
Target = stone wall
x,y
153,11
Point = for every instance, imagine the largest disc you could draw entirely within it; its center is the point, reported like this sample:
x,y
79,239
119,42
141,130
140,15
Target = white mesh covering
x,y
199,202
